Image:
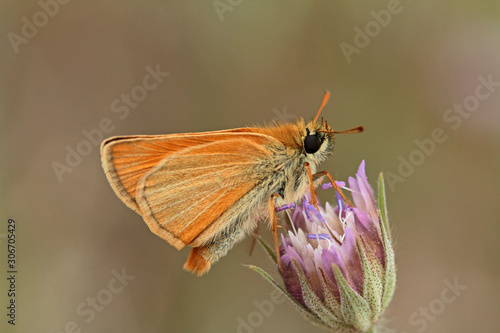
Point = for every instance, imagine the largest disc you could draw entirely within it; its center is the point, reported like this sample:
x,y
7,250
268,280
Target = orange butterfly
x,y
206,190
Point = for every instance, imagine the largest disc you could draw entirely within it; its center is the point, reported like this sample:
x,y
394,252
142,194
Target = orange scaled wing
x,y
126,159
182,183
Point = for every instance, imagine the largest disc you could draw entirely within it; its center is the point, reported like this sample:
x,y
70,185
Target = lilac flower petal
x,y
365,189
298,218
361,169
297,212
357,198
307,257
329,210
306,264
369,223
284,243
362,222
325,281
318,259
311,272
329,185
291,278
370,233
330,258
290,250
286,259
298,240
350,256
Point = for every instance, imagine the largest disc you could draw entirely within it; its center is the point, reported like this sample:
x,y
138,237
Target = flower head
x,y
338,262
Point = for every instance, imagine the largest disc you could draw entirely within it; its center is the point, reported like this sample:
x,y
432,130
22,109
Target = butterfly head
x,y
318,140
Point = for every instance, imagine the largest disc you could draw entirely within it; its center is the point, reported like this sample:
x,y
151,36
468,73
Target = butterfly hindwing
x,y
188,191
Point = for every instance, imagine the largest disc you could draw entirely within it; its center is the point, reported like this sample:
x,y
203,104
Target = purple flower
x,y
338,262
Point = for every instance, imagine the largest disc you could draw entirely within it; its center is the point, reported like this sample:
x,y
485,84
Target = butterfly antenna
x,y
358,129
325,100
353,130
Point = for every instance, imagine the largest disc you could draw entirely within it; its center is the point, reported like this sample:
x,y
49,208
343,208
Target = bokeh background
x,y
246,63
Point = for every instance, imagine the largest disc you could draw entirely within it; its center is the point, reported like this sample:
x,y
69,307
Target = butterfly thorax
x,y
289,158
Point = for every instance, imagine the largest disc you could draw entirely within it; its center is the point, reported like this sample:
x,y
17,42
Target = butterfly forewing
x,y
127,159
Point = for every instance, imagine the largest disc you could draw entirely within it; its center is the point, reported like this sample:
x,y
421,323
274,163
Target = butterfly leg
x,y
274,220
326,173
311,184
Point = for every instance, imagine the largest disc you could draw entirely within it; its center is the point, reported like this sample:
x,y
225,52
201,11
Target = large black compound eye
x,y
312,143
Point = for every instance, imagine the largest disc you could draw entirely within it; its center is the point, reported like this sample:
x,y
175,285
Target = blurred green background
x,y
234,64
